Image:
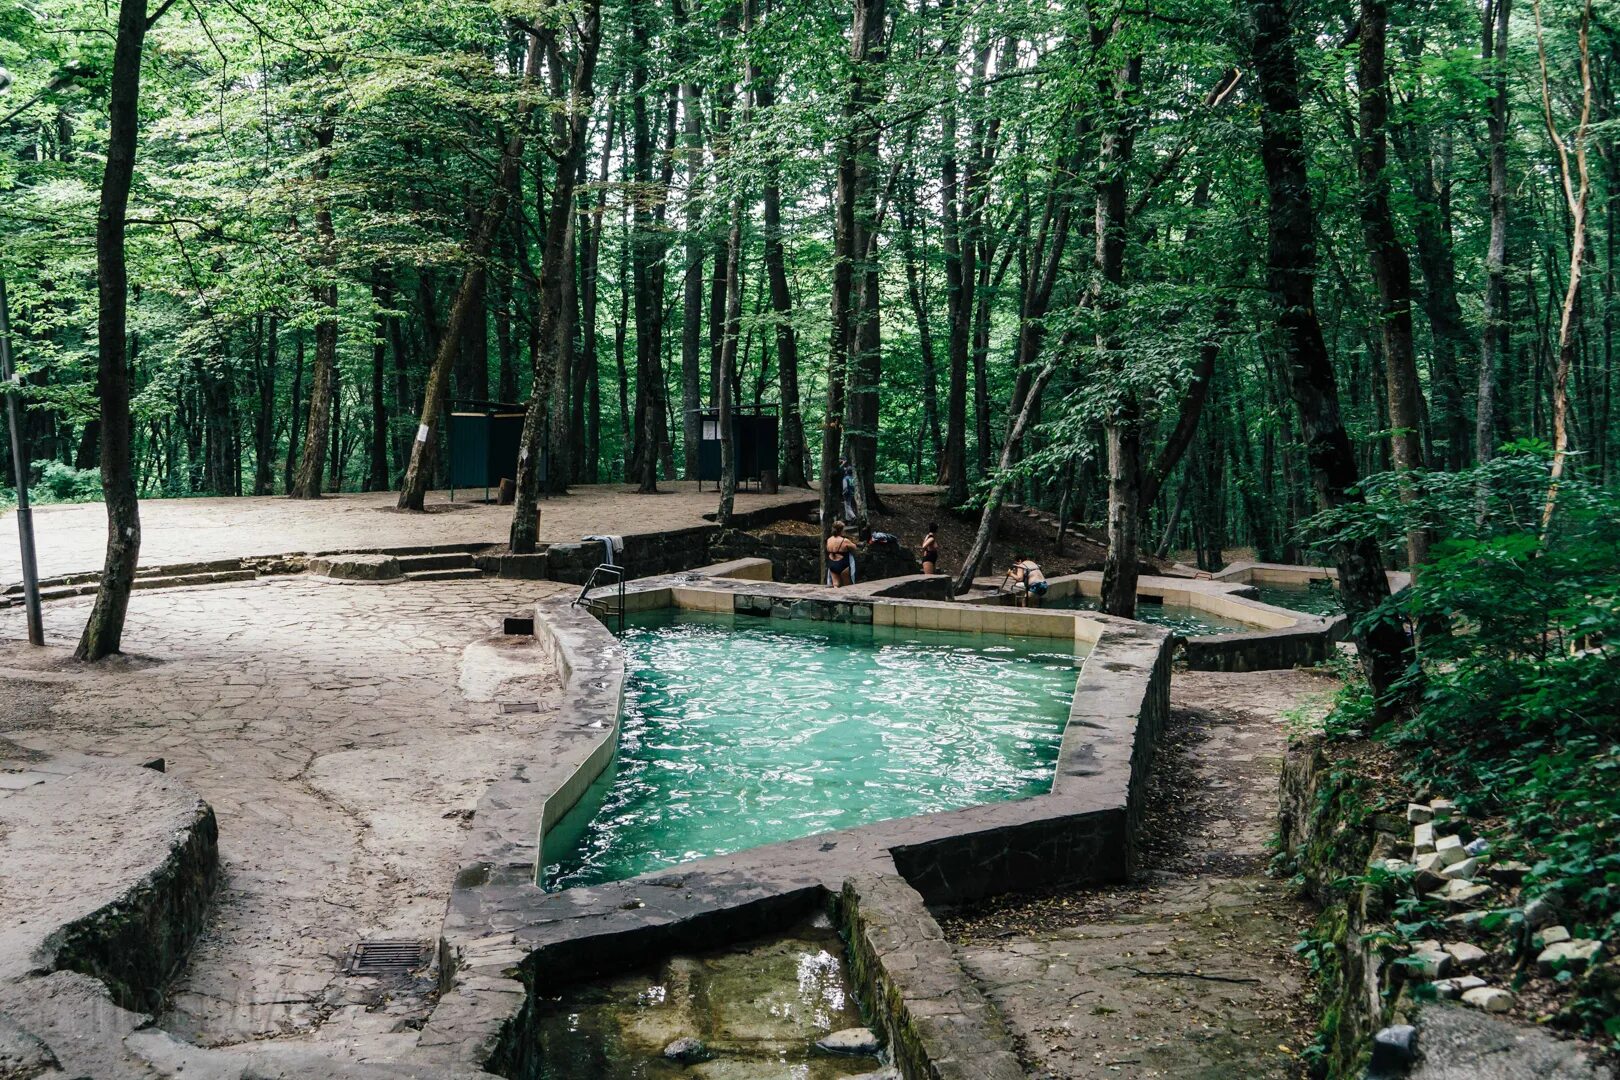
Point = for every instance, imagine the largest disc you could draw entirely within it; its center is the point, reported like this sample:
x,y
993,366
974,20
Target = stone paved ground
x,y
73,538
339,734
1188,973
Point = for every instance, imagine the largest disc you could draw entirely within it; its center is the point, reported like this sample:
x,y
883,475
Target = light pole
x,y
19,458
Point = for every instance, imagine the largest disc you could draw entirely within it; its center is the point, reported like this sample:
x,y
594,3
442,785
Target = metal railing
x,y
599,605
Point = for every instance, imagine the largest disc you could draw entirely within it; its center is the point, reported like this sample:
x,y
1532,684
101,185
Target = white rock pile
x,y
1449,868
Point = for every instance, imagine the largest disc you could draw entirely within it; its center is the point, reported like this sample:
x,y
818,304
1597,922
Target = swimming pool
x,y
1315,598
739,731
1188,621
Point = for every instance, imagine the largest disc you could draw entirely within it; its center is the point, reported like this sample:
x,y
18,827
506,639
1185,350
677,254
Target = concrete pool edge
x,y
1282,638
502,929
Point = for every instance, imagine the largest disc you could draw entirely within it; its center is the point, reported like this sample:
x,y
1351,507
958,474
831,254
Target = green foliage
x,y
59,483
1520,716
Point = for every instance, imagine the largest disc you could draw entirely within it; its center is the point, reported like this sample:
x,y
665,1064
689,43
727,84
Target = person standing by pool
x,y
930,550
840,555
1028,582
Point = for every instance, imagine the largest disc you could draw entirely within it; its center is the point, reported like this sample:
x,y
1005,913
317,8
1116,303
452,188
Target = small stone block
x,y
1491,999
1418,814
1393,1051
1432,965
1540,912
1466,870
1464,894
1574,955
1431,862
1443,809
1466,954
1423,839
1451,989
1552,935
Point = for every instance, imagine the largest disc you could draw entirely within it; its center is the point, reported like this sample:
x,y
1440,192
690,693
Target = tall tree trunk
x,y
1576,184
557,266
307,484
413,489
692,279
290,470
959,273
787,338
1290,279
1123,428
866,356
377,478
103,632
1392,270
646,263
1449,428
401,442
1496,318
264,418
590,263
916,292
866,28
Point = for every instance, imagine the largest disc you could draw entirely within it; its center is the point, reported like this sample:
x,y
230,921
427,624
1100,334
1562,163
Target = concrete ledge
x,y
126,917
750,569
520,567
937,1022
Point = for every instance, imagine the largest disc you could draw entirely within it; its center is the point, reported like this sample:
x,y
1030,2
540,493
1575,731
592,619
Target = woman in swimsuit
x,y
1028,583
839,548
930,550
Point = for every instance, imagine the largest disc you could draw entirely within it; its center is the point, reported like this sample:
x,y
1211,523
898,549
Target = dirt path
x,y
1189,972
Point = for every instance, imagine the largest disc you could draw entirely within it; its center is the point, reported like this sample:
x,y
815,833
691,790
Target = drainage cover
x,y
509,707
387,957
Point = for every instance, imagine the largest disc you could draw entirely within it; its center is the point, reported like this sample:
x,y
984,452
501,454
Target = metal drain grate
x,y
387,957
510,707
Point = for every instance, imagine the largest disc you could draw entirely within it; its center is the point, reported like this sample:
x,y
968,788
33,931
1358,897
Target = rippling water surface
x,y
745,731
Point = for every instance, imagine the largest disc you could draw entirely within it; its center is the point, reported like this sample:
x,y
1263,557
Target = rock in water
x,y
687,1051
850,1041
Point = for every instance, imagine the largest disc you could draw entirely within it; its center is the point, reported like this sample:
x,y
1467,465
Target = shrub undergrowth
x,y
1519,712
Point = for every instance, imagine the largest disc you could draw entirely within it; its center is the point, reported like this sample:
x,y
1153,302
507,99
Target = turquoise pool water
x,y
741,731
1317,598
1183,620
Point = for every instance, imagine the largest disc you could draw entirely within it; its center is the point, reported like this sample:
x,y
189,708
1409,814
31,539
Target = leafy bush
x,y
1520,709
59,483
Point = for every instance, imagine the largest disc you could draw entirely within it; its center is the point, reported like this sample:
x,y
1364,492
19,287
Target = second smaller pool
x,y
1187,621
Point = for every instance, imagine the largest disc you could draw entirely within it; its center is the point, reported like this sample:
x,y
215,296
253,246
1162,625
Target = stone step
x,y
181,581
453,560
444,575
175,581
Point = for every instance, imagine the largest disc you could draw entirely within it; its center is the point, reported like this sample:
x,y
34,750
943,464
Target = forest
x,y
1187,272
1300,281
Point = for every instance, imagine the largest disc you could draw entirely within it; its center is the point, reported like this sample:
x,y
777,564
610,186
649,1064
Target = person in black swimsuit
x,y
839,550
930,550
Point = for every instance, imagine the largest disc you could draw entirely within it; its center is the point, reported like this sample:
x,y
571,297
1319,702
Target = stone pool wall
x,y
505,939
1281,638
